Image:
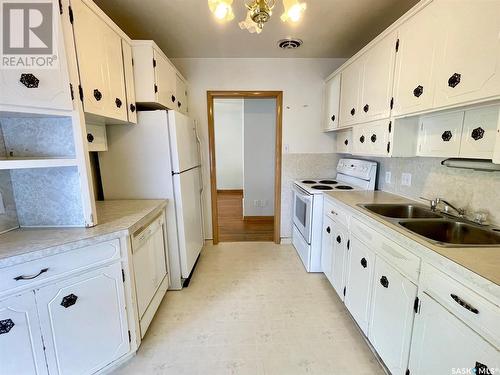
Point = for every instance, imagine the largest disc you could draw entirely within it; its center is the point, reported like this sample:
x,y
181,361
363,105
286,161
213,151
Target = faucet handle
x,y
433,202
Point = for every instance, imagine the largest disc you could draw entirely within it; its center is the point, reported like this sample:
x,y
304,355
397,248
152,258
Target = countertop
x,y
483,261
116,218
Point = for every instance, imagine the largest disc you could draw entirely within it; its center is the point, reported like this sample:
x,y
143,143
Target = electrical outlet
x,y
406,179
2,206
388,177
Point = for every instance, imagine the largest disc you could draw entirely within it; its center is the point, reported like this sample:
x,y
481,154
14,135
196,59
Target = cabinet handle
x,y
464,304
173,99
353,111
6,325
31,277
373,138
417,91
69,300
384,281
362,139
132,108
339,239
29,80
118,102
477,133
346,142
446,136
97,95
363,262
90,138
366,108
454,80
333,117
328,230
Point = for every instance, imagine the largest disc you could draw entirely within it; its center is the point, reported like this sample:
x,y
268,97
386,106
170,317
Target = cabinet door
x,y
350,93
377,79
332,103
327,247
343,141
440,135
391,317
469,62
165,82
339,258
128,69
360,140
441,342
372,138
479,132
359,282
84,322
21,346
414,85
181,94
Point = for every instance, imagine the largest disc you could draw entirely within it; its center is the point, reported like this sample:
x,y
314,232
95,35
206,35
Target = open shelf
x,y
26,163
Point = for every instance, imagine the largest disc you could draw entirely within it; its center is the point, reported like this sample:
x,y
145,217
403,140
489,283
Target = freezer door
x,y
188,211
183,144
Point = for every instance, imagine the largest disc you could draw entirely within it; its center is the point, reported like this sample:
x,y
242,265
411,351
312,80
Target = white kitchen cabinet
x,y
181,94
327,247
377,79
96,137
21,346
441,342
440,135
340,240
359,282
391,317
468,65
331,103
479,132
350,93
128,69
343,141
372,138
415,59
83,321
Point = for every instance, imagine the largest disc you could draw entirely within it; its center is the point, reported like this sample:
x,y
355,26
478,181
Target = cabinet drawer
x,y
31,273
477,312
336,212
406,262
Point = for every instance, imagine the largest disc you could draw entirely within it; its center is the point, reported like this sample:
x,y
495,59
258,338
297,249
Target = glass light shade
x,y
221,9
293,10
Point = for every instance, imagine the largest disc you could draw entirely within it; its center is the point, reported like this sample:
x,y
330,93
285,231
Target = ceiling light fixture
x,y
221,9
293,10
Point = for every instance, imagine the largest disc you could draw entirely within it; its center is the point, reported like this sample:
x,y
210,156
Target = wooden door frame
x,y
278,96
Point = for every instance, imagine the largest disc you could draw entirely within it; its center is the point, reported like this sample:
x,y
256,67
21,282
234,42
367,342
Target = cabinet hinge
x,y
392,103
156,88
416,305
344,291
348,244
71,91
388,147
80,92
390,126
123,275
397,45
70,12
132,62
60,7
154,63
129,337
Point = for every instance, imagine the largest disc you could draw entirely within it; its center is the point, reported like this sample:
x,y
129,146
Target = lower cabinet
x,y
327,247
340,240
391,318
83,321
360,267
443,344
21,346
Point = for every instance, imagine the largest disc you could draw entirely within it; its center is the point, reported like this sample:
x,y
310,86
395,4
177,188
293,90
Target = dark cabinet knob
x,y
454,80
118,102
373,138
179,104
366,108
364,263
353,111
328,230
6,325
384,281
333,117
362,139
132,108
173,99
346,142
69,300
338,239
446,136
477,133
97,94
29,80
90,137
417,91
481,368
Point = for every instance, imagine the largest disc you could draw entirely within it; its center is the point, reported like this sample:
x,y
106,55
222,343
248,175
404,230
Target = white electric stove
x,y
352,175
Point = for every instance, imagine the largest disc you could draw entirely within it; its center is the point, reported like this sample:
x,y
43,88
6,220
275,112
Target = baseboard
x,y
286,241
258,218
230,192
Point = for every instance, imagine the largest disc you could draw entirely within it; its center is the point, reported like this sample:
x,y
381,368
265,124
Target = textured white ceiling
x,y
186,28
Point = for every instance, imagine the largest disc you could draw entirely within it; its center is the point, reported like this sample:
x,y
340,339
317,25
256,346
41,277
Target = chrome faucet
x,y
435,202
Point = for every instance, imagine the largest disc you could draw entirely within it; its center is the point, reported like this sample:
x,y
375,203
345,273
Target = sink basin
x,y
452,232
402,211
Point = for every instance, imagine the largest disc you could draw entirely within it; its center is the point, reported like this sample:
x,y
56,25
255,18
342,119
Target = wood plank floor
x,y
232,227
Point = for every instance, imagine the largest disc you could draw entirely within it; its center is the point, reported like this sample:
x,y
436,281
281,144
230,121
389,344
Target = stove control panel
x,y
357,168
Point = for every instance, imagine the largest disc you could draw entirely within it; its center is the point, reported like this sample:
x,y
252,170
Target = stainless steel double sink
x,y
435,227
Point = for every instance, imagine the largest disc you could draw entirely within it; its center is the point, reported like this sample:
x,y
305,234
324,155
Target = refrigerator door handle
x,y
200,172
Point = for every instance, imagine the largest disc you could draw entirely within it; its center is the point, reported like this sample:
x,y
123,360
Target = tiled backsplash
x,y
8,220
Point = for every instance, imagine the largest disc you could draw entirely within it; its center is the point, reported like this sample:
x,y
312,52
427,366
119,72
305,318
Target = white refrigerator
x,y
159,159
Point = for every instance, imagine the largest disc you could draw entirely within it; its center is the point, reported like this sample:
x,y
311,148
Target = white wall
x,y
260,137
228,129
301,81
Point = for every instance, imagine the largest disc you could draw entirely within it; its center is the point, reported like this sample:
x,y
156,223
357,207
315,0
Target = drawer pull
x,y
69,300
6,325
364,263
464,304
31,277
384,281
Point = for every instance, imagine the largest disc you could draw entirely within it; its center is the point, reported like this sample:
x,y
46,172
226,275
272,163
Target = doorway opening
x,y
244,131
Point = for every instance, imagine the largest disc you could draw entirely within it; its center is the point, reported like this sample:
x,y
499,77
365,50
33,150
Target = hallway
x,y
252,309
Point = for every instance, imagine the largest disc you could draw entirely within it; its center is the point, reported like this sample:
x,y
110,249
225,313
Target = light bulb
x,y
293,10
221,11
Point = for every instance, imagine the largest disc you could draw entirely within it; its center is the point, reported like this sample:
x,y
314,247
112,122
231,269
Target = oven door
x,y
302,212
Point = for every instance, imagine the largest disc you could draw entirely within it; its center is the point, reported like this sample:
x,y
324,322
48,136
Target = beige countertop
x,y
116,218
484,261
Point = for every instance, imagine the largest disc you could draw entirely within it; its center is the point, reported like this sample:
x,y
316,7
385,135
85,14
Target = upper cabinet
x,y
128,66
350,93
181,94
332,103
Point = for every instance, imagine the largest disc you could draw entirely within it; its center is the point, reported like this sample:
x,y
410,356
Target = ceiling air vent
x,y
289,43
